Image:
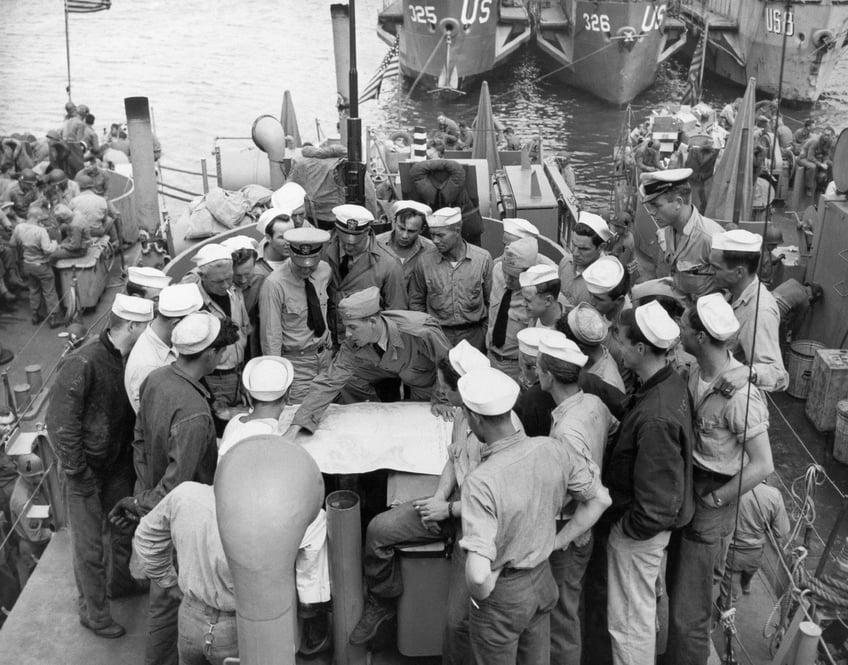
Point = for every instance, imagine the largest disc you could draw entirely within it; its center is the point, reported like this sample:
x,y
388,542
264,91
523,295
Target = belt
x,y
705,474
502,357
223,372
208,609
463,326
312,349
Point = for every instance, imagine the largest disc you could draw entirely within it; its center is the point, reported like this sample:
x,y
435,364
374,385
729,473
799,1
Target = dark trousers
x,y
513,625
162,627
42,288
694,554
98,572
569,570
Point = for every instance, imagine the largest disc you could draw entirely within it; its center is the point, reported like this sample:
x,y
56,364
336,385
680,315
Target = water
x,y
210,68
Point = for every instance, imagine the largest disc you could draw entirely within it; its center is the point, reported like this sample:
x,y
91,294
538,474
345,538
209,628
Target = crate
x,y
422,613
91,270
828,385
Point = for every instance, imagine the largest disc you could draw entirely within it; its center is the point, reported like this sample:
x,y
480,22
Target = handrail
x,y
176,170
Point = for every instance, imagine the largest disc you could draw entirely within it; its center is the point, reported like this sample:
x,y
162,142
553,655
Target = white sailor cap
x,y
488,391
270,215
445,217
132,308
289,198
352,219
420,208
738,240
717,316
360,304
267,378
528,340
212,253
465,358
238,242
556,345
651,185
603,275
656,325
538,274
587,324
147,277
520,228
178,300
519,255
306,244
195,333
595,222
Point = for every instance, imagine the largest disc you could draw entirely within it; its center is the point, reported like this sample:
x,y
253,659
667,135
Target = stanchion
x,y
808,643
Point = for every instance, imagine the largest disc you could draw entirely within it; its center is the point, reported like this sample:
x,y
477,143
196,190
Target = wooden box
x,y
828,385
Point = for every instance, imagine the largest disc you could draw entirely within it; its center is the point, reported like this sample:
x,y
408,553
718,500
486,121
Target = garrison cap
x,y
659,182
178,300
352,218
361,304
305,244
148,277
717,316
488,391
132,308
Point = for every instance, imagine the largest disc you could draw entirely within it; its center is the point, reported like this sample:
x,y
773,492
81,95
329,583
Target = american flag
x,y
86,6
696,70
388,68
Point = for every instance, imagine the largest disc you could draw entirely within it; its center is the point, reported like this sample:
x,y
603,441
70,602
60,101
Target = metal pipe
x,y
341,48
267,492
808,643
143,163
353,75
205,174
344,535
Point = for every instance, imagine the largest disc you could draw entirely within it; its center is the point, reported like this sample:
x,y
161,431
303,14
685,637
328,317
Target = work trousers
x,y
98,572
306,367
207,635
513,625
42,286
162,627
569,570
402,526
739,569
508,366
474,335
632,568
225,387
695,553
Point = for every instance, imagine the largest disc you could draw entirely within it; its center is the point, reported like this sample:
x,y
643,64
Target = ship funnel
x,y
267,492
270,137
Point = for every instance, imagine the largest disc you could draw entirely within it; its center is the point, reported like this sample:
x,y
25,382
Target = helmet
x,y
773,235
77,334
54,135
28,175
82,109
29,465
84,181
56,177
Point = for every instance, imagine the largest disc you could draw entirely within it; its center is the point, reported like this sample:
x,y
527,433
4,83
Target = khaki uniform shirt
x,y
92,207
453,295
690,249
233,357
407,264
767,360
283,311
607,368
517,318
571,282
584,422
760,509
32,243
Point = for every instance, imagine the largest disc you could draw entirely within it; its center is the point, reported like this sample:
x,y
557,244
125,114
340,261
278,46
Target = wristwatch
x,y
718,502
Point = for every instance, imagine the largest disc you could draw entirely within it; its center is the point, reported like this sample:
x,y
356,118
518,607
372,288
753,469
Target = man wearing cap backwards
x,y
75,236
153,348
146,282
356,262
684,234
508,307
33,246
582,421
174,442
588,241
90,422
293,310
215,271
649,474
378,345
734,258
732,455
533,406
404,241
509,533
452,281
540,287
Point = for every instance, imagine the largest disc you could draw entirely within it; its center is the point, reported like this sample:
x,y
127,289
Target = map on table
x,y
356,438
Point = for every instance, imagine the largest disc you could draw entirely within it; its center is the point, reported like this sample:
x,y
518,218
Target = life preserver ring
x,y
406,136
824,38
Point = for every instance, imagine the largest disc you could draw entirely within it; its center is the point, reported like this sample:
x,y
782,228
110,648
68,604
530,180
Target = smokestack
x,y
143,164
267,492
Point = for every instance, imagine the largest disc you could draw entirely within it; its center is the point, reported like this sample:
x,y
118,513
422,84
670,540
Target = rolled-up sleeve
x,y
479,519
153,545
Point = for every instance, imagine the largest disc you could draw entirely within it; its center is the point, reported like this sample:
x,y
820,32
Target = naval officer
x,y
293,309
378,345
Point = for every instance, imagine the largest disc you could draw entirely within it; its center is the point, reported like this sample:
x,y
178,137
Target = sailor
x,y
293,310
153,348
146,282
429,519
674,303
649,474
584,423
533,406
509,533
731,455
684,233
588,241
734,258
214,277
378,345
540,287
590,331
452,281
404,241
90,423
273,249
245,279
509,310
174,442
608,284
357,261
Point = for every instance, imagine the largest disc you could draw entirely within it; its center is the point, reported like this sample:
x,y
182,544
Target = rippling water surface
x,y
209,68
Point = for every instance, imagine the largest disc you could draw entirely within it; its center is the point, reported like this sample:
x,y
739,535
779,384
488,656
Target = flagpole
x,y
67,50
